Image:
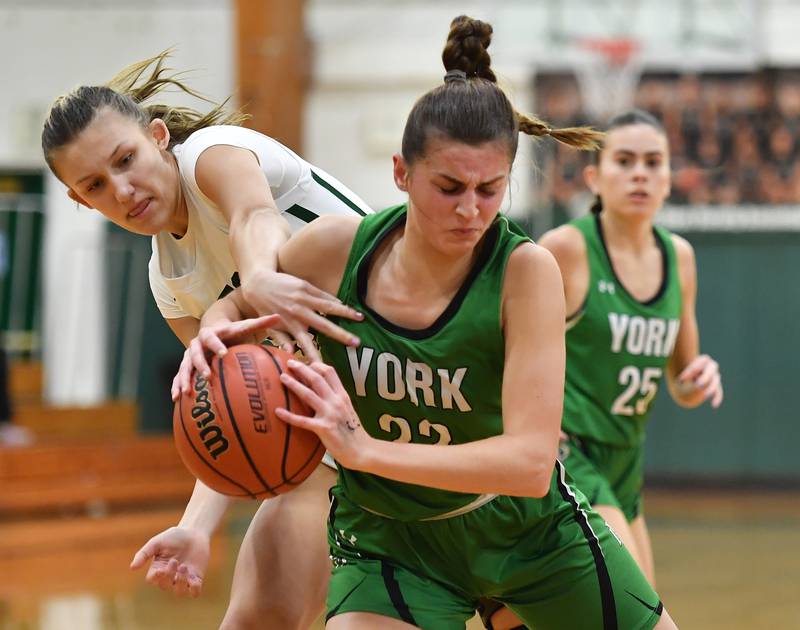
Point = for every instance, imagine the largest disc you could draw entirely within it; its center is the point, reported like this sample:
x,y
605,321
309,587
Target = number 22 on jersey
x,y
425,428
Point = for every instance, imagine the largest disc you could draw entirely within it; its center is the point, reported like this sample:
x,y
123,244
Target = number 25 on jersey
x,y
641,386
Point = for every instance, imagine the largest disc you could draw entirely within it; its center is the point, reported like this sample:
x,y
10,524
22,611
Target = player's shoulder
x,y
335,225
683,249
329,232
222,134
224,139
319,252
530,262
566,243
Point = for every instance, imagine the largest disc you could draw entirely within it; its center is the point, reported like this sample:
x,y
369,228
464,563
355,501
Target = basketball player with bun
x,y
630,291
218,201
445,420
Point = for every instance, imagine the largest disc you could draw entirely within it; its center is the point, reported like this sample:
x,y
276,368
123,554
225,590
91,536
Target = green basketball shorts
x,y
607,475
562,569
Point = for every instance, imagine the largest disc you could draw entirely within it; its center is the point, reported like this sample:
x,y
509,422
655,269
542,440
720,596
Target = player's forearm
x,y
205,509
255,237
502,464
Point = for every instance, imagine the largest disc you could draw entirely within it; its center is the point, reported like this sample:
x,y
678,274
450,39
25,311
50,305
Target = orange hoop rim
x,y
617,50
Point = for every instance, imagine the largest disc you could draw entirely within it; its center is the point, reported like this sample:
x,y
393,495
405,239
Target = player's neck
x,y
179,224
423,269
627,233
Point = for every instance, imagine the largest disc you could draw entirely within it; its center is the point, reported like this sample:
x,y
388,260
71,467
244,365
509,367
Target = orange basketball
x,y
228,435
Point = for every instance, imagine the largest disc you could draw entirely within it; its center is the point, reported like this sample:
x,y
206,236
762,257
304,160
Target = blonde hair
x,y
126,93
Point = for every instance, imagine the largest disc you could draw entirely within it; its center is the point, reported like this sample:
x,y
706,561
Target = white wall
x,y
49,48
780,45
372,60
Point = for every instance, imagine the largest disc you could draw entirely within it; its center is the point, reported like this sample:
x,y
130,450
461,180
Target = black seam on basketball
x,y
291,481
221,372
288,434
607,602
247,493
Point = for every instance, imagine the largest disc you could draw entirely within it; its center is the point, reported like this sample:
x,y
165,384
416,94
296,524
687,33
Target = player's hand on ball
x,y
335,421
215,340
179,560
302,306
703,374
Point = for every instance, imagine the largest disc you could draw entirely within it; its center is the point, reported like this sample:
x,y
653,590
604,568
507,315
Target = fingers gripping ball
x,y
228,435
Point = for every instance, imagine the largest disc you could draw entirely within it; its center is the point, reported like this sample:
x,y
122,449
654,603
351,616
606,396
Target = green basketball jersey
x,y
440,385
617,346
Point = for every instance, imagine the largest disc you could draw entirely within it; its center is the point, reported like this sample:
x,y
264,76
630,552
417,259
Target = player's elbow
x,y
541,484
537,475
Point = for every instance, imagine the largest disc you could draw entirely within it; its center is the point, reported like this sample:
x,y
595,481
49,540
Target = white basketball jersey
x,y
188,274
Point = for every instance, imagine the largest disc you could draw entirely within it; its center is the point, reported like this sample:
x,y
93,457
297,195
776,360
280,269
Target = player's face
x,y
123,171
633,175
455,192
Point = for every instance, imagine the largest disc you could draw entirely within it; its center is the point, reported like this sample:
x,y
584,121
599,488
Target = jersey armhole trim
x,y
574,317
337,193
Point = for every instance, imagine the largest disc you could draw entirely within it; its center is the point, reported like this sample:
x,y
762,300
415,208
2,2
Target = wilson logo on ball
x,y
204,417
228,435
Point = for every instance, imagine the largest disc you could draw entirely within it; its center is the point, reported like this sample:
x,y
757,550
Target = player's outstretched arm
x,y
518,462
233,179
179,555
317,255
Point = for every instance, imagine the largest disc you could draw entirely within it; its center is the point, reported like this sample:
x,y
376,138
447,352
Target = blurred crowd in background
x,y
734,139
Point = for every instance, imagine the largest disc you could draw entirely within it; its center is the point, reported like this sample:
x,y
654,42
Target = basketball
x,y
228,435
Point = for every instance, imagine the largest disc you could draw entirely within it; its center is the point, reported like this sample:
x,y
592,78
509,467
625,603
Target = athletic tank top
x,y
188,274
617,346
438,385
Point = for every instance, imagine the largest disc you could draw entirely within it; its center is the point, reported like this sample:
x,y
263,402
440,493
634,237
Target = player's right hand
x,y
179,558
215,340
302,307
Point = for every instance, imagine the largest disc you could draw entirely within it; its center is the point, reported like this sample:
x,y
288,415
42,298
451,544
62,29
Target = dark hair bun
x,y
466,48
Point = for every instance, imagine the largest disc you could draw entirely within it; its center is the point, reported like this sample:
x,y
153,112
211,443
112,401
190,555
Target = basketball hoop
x,y
608,72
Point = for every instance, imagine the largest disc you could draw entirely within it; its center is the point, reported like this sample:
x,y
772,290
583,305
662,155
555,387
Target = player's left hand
x,y
334,421
703,374
215,340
